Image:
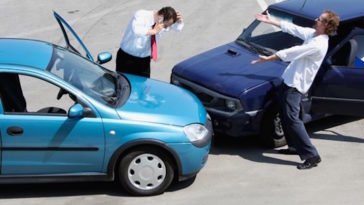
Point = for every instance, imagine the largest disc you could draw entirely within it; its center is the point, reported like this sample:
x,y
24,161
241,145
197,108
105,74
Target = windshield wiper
x,y
247,45
263,51
255,48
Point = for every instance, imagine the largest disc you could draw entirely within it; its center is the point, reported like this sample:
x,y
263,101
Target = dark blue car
x,y
240,97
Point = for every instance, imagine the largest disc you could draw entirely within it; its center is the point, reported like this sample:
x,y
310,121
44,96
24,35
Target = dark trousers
x,y
294,129
11,93
126,63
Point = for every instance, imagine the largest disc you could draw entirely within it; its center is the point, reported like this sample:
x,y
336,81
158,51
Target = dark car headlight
x,y
233,105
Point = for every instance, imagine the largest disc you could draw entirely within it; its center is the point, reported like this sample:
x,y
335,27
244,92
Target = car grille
x,y
209,98
204,97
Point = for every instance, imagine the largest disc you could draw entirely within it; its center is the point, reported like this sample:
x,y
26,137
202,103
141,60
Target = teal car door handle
x,y
15,131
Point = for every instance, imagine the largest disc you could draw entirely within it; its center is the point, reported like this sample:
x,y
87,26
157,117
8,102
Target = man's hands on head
x,y
179,17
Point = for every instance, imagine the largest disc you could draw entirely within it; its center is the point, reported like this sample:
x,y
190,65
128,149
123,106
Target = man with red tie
x,y
139,43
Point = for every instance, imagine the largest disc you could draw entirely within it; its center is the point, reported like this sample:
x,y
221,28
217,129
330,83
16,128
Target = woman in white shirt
x,y
138,45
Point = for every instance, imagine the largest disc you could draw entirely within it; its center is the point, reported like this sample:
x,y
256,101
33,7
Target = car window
x,y
11,93
87,76
264,28
359,55
269,38
26,94
351,54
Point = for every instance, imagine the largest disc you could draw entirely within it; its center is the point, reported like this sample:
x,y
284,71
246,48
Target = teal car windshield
x,y
93,80
267,39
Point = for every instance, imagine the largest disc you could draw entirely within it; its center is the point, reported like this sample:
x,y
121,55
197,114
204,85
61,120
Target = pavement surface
x,y
239,171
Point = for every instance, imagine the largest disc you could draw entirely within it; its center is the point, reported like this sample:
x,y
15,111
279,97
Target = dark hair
x,y
332,22
168,13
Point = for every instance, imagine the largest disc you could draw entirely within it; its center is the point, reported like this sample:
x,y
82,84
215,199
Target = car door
x,y
341,89
44,140
69,33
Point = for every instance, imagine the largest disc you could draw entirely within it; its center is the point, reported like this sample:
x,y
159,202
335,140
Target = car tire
x,y
272,134
145,171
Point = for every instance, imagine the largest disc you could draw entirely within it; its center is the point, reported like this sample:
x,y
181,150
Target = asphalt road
x,y
239,171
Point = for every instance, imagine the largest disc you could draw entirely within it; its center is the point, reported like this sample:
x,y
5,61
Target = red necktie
x,y
154,48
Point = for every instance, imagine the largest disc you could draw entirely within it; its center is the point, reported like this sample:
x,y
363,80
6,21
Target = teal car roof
x,y
31,53
311,9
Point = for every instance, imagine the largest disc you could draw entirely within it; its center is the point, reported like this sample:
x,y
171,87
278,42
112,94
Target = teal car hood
x,y
159,102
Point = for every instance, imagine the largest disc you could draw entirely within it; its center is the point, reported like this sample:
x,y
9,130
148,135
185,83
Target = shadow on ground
x,y
60,189
73,189
327,123
251,149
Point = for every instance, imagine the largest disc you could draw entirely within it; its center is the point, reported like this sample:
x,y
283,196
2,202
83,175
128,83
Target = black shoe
x,y
309,163
289,151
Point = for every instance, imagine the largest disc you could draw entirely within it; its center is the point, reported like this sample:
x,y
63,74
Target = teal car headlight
x,y
197,134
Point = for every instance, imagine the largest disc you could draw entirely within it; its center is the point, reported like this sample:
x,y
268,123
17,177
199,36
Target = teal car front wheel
x,y
145,171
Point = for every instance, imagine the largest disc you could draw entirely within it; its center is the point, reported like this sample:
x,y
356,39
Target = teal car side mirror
x,y
76,111
104,57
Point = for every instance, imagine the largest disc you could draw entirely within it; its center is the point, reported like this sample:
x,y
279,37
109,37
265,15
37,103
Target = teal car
x,y
65,118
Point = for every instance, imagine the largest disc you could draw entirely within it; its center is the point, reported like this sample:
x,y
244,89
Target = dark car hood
x,y
228,74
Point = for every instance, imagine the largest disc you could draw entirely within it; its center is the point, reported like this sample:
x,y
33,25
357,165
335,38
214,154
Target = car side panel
x,y
190,156
193,160
51,145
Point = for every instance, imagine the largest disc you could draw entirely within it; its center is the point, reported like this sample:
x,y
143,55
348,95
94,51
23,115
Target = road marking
x,y
81,19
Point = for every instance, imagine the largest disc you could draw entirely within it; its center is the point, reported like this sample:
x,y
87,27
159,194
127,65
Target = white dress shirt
x,y
305,59
135,41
